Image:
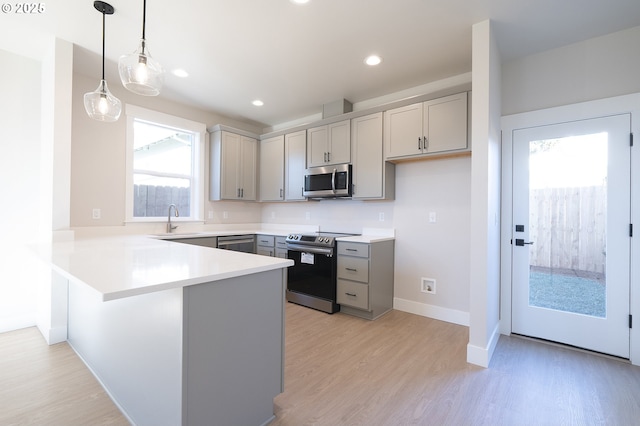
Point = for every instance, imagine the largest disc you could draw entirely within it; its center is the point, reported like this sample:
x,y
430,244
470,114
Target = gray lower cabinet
x,y
271,245
365,278
281,247
265,245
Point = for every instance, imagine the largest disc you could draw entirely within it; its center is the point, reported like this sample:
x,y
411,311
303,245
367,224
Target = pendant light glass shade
x,y
139,72
100,104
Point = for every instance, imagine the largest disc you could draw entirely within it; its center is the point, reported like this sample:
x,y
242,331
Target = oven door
x,y
313,276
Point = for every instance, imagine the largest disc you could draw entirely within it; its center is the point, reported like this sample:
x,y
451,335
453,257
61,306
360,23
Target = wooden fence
x,y
567,226
154,201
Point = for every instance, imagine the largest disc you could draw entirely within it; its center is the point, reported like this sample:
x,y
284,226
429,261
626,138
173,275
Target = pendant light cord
x,y
103,37
144,17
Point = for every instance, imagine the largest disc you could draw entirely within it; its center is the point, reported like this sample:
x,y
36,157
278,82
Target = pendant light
x,y
139,72
100,104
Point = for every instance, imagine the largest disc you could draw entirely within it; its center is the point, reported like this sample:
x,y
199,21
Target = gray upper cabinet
x,y
329,144
373,178
272,169
428,128
295,149
233,165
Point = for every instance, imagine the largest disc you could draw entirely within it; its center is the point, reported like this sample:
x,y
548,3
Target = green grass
x,y
567,293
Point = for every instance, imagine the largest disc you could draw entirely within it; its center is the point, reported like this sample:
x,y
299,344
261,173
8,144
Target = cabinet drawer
x,y
353,249
353,294
281,243
265,240
353,268
265,251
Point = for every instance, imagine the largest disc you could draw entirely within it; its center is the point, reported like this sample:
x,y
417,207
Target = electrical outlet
x,y
307,215
225,215
381,216
432,217
210,214
96,214
428,285
273,215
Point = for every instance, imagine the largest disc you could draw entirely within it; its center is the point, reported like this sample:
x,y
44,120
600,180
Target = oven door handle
x,y
309,249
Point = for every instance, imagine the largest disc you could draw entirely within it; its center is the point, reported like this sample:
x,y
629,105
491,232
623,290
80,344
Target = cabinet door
x,y
402,128
249,157
272,169
368,160
339,144
317,149
229,166
445,123
295,147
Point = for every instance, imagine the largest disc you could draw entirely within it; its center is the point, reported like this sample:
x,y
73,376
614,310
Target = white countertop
x,y
365,239
123,266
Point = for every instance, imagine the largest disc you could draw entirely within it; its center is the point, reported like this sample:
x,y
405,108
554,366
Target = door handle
x,y
521,242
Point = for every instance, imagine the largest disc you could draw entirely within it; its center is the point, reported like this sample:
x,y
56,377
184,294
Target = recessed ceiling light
x,y
299,1
258,102
373,60
180,73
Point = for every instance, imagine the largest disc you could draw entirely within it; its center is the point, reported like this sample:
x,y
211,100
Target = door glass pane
x,y
567,218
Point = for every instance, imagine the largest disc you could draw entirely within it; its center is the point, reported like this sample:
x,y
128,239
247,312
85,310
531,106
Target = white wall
x,y
433,250
485,199
98,158
593,69
20,175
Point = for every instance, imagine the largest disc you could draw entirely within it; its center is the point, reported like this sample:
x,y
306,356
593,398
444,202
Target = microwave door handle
x,y
333,181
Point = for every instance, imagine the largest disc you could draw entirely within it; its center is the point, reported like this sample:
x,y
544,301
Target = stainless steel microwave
x,y
328,181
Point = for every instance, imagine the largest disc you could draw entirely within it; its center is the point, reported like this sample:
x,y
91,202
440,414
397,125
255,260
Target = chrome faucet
x,y
169,227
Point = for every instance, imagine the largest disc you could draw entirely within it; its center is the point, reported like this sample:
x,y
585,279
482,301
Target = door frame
x,y
629,104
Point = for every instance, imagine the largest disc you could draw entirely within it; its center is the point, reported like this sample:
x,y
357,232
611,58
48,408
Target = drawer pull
x,y
351,249
351,294
351,269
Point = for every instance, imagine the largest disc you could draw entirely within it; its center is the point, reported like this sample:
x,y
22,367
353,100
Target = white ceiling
x,y
298,57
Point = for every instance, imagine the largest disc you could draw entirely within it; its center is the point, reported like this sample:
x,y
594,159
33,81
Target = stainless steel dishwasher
x,y
243,243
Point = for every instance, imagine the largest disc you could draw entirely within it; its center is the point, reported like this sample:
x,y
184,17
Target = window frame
x,y
133,113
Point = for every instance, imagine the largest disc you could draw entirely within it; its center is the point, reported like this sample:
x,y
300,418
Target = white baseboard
x,y
53,335
482,355
432,311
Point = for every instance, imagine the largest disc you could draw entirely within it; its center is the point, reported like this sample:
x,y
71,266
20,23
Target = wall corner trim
x,y
482,356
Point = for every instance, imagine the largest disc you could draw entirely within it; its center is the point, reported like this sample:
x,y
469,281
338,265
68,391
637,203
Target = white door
x,y
571,233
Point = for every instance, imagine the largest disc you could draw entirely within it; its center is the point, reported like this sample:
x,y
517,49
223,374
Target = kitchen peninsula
x,y
178,334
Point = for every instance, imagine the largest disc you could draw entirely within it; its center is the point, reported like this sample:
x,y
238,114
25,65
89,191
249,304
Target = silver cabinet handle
x,y
280,192
328,156
425,143
419,143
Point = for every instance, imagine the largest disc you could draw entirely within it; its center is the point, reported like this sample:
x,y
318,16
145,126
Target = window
x,y
165,166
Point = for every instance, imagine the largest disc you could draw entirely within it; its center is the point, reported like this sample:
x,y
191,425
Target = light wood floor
x,y
401,369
